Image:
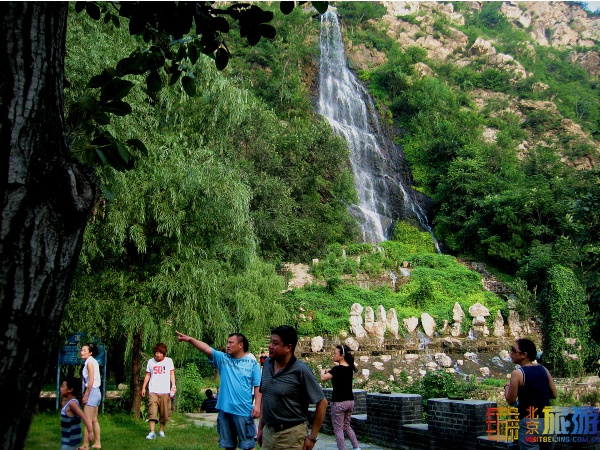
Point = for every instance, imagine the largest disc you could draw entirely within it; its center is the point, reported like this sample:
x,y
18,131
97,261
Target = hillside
x,y
495,106
518,33
246,177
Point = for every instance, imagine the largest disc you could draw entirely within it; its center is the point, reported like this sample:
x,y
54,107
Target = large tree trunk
x,y
46,198
136,367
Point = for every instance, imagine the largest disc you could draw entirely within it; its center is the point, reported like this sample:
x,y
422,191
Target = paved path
x,y
325,442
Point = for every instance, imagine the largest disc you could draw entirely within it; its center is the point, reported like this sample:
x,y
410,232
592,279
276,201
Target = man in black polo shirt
x,y
288,387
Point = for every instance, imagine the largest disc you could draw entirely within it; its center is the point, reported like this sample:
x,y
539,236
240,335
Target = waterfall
x,y
376,162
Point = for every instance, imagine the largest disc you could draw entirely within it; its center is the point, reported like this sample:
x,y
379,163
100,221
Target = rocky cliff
x,y
559,25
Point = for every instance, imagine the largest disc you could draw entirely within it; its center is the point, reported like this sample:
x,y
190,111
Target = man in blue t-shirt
x,y
240,378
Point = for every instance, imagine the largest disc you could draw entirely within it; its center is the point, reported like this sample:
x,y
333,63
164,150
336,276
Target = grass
x,y
126,433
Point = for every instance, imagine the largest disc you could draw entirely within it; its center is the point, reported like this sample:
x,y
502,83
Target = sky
x,y
593,6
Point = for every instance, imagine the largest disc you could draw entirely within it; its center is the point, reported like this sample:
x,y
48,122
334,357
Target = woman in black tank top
x,y
342,399
533,387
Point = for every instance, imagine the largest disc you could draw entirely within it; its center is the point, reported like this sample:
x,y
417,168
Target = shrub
x,y
564,307
190,389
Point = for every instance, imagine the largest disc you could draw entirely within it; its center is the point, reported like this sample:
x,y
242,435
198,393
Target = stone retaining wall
x,y
395,421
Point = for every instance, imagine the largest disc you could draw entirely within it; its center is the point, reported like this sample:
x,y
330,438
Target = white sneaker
x,y
151,435
161,434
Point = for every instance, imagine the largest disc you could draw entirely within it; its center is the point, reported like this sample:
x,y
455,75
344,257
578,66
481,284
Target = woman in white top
x,y
91,394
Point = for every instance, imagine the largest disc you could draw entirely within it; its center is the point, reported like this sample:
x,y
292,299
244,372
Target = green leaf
x,y
253,36
115,89
287,7
108,194
92,10
193,53
189,85
153,82
174,77
221,24
102,156
123,152
136,143
267,31
101,118
221,58
321,7
100,80
118,108
134,65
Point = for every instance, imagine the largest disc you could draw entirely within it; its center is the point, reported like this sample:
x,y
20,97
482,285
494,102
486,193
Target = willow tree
x,y
176,248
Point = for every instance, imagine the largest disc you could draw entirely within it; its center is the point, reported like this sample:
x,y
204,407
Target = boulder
x,y
478,310
514,324
376,330
450,342
498,325
482,47
352,344
369,315
428,324
316,344
356,321
380,315
455,329
411,324
443,360
411,357
391,323
457,313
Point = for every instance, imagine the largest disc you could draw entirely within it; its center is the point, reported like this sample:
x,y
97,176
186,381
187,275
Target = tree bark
x,y
46,199
136,386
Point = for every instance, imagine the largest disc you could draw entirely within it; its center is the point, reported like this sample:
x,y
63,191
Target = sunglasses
x,y
514,350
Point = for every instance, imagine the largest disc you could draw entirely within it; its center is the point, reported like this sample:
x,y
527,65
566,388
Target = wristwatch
x,y
312,439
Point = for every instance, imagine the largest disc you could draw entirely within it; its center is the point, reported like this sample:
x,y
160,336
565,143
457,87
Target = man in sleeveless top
x,y
533,386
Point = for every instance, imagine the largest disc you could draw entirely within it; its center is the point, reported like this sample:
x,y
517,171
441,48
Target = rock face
x,y
550,24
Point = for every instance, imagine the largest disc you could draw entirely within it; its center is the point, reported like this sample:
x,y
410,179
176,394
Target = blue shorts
x,y
94,398
233,428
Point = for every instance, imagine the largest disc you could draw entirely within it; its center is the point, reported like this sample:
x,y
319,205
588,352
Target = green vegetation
x,y
190,238
125,433
520,212
244,176
436,283
565,328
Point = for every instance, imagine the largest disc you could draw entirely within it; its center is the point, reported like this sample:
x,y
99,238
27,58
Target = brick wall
x,y
395,421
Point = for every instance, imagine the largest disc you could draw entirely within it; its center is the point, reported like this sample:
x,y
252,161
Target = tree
x,y
47,194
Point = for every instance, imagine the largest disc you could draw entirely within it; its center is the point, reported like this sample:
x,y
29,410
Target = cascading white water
x,y
343,102
346,104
